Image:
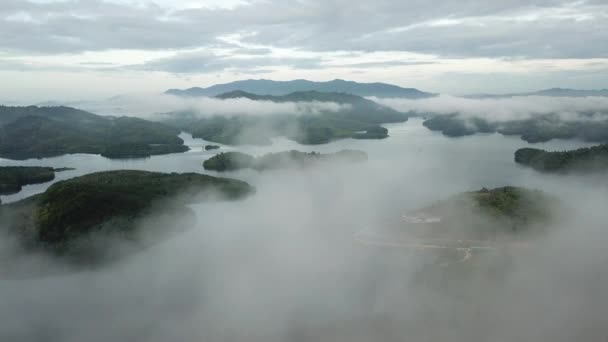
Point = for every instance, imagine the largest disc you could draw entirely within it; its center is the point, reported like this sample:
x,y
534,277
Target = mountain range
x,y
40,132
277,88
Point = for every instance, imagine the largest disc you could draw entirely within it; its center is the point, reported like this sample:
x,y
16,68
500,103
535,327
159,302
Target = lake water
x,y
490,156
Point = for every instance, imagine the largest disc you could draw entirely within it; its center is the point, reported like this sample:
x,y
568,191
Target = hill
x,y
230,161
39,132
476,220
12,178
278,88
73,217
592,159
357,118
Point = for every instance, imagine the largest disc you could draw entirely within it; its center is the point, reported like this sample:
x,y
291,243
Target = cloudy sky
x,y
89,49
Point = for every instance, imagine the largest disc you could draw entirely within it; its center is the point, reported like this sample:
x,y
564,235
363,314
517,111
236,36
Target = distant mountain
x,y
269,87
39,132
553,92
306,96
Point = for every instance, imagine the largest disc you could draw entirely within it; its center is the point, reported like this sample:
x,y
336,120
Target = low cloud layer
x,y
283,265
506,109
150,105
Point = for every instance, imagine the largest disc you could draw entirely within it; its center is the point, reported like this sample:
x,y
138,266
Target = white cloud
x,y
504,109
148,105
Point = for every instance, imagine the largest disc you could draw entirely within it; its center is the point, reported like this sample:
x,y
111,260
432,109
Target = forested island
x,y
13,178
480,216
230,161
40,132
357,118
588,159
73,217
533,130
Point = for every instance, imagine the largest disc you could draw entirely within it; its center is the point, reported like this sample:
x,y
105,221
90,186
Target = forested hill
x,y
73,217
589,159
38,132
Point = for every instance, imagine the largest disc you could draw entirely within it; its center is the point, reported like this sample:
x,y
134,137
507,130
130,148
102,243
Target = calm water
x,y
481,160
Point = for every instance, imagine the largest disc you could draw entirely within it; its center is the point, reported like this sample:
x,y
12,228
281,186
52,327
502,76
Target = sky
x,y
91,49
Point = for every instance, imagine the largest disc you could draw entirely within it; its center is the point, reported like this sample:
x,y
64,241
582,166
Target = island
x,y
352,117
375,132
41,132
541,128
482,220
13,178
588,159
230,161
72,216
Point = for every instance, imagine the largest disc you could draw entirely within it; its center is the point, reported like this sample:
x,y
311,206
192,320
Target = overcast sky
x,y
88,49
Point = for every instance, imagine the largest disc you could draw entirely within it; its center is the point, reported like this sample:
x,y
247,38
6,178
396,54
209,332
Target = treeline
x,y
39,132
583,159
230,161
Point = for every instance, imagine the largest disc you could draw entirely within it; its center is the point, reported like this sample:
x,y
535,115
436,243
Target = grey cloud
x,y
208,63
385,64
506,109
73,26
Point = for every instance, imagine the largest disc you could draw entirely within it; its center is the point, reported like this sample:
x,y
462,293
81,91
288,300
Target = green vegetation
x,y
518,205
12,178
487,214
538,129
375,132
39,132
69,214
355,116
583,159
229,161
454,126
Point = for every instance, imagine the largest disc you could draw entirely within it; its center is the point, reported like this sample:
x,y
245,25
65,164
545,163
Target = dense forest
x,y
13,178
63,219
230,161
588,159
39,132
541,128
486,214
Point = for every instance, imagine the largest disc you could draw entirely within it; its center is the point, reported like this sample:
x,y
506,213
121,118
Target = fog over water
x,y
283,265
412,151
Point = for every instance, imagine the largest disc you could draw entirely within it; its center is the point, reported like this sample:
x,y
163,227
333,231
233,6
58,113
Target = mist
x,y
150,106
506,109
284,264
